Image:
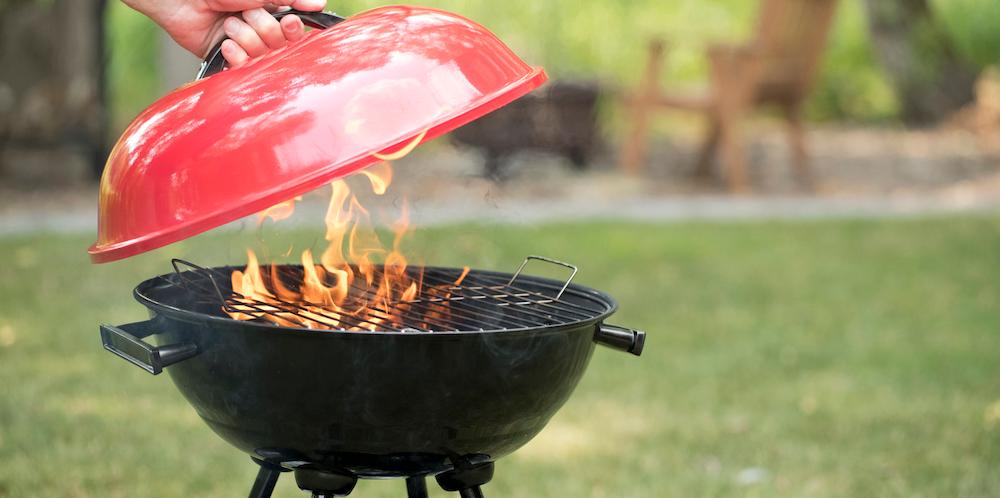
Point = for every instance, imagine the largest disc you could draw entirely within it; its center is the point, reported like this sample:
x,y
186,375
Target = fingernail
x,y
291,23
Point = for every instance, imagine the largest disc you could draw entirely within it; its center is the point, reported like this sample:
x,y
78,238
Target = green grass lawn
x,y
806,359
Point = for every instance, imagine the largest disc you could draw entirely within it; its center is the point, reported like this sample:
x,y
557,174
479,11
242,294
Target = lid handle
x,y
215,63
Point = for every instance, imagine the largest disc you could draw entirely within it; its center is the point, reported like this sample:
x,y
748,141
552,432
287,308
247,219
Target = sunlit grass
x,y
823,359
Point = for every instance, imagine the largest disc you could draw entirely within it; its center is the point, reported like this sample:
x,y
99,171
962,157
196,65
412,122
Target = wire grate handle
x,y
546,260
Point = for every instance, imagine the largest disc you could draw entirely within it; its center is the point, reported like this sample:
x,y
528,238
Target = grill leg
x,y
473,492
416,487
467,480
267,477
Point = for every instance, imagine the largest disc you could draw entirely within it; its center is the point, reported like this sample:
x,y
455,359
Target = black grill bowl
x,y
375,404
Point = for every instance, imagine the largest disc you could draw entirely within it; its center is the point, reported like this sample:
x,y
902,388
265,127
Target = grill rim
x,y
609,303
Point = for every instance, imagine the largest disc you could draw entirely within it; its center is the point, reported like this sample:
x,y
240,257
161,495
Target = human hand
x,y
197,25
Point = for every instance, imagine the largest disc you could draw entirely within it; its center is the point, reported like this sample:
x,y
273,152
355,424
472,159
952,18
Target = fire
x,y
380,175
357,283
404,151
279,211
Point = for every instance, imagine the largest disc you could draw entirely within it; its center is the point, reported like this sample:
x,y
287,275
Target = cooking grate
x,y
483,301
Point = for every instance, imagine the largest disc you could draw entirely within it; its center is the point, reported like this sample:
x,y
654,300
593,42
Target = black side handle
x,y
620,338
126,342
214,62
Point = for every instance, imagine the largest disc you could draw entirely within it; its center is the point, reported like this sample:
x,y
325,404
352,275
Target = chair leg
x,y
732,154
797,145
703,165
634,149
633,155
733,76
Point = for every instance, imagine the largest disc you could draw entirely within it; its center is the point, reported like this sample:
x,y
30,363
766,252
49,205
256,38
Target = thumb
x,y
309,5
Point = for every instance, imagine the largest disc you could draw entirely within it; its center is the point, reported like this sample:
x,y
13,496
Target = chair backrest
x,y
790,39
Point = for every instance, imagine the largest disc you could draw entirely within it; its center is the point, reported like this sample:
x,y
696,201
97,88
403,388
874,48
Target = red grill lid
x,y
245,139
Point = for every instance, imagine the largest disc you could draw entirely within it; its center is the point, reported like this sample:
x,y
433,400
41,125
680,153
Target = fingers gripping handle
x,y
214,62
126,341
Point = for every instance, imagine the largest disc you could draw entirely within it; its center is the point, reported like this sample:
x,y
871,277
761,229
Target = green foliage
x,y
838,358
972,25
851,85
133,71
607,40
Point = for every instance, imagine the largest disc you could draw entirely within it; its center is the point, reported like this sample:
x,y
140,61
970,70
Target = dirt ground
x,y
859,171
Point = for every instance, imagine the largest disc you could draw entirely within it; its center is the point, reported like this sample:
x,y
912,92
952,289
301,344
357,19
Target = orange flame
x,y
347,289
380,175
279,211
399,154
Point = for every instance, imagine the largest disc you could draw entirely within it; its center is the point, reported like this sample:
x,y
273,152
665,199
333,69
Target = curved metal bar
x,y
547,260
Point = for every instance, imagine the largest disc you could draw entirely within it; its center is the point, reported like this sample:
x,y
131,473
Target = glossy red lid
x,y
245,139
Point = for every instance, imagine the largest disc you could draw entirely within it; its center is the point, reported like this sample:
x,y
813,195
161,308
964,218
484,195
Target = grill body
x,y
375,404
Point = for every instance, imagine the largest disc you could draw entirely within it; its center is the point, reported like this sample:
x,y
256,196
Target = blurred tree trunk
x,y
930,80
53,111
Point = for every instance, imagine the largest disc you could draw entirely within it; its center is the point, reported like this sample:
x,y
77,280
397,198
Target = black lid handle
x,y
214,62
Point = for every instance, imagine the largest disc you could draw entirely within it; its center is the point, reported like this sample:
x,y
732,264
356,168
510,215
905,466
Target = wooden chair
x,y
777,66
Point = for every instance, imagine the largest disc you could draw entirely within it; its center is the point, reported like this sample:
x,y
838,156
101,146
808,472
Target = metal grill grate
x,y
483,301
